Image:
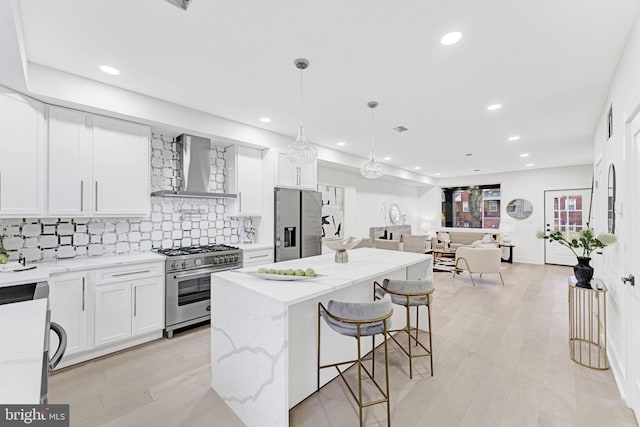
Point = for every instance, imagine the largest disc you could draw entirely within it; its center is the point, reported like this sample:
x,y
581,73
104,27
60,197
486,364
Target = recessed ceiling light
x,y
514,138
387,158
530,164
417,168
437,174
524,155
494,107
265,119
451,38
468,155
109,70
476,170
341,143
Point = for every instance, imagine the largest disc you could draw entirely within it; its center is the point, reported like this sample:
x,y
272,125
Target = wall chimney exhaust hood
x,y
194,156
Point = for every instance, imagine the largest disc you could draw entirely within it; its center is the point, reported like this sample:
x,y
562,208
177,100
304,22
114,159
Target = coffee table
x,y
443,259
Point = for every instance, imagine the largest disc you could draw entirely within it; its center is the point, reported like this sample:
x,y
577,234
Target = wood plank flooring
x,y
500,359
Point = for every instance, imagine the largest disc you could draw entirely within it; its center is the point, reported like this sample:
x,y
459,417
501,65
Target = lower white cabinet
x,y
70,309
107,309
256,257
128,309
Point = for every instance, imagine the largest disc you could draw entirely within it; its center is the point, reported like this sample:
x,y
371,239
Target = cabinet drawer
x,y
129,272
260,256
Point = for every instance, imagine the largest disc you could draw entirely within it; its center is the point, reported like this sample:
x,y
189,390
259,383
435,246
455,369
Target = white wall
x,y
529,185
615,262
364,199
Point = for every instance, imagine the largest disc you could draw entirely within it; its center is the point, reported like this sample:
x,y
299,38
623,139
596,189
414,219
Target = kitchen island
x,y
264,333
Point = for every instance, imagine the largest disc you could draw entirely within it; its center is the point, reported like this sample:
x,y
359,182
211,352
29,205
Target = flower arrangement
x,y
584,240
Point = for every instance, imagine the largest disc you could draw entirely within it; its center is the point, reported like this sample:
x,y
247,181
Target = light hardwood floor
x,y
500,359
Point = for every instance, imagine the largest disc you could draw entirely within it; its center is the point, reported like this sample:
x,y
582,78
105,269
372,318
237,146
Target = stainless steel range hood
x,y
194,156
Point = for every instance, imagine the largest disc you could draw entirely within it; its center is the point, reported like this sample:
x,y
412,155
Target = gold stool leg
x,y
386,371
408,330
430,342
359,377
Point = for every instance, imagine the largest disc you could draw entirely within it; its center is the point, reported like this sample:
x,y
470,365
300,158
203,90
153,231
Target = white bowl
x,y
341,244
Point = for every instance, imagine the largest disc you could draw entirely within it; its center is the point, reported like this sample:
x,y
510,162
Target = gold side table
x,y
588,324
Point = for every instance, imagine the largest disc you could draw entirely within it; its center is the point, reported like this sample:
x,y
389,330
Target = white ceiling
x,y
549,62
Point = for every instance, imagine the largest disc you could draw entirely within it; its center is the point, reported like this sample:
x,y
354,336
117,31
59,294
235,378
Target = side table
x,y
510,246
588,324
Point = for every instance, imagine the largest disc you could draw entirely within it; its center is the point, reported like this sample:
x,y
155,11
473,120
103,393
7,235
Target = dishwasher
x,y
31,291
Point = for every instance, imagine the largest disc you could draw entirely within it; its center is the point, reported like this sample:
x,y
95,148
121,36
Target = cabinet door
x,y
120,167
22,137
112,313
249,178
69,160
287,176
69,308
148,305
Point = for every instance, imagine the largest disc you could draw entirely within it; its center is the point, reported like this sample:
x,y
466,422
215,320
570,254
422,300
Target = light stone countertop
x,y
253,246
43,270
23,331
364,264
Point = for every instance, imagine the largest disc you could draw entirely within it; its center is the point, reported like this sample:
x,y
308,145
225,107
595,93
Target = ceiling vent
x,y
401,129
183,4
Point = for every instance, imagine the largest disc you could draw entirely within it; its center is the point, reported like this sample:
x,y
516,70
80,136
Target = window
x,y
567,213
476,206
571,204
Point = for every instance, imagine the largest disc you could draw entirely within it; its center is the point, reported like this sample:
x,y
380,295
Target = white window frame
x,y
493,206
465,206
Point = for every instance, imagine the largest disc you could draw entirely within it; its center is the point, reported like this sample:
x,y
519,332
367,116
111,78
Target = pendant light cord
x,y
301,104
372,130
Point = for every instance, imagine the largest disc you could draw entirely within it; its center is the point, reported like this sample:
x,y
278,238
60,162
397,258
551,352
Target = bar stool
x,y
359,319
409,293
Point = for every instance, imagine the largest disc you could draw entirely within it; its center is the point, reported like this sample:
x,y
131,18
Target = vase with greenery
x,y
582,244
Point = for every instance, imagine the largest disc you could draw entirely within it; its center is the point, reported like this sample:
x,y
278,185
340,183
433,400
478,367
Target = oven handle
x,y
204,272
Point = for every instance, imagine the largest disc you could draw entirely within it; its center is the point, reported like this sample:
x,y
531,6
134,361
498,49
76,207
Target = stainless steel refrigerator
x,y
298,224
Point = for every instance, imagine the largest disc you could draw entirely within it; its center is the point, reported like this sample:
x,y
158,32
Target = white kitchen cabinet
x,y
69,162
244,178
70,307
148,303
112,313
120,161
129,302
256,257
287,175
22,148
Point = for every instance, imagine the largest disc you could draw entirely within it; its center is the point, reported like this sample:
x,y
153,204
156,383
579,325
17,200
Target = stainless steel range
x,y
188,282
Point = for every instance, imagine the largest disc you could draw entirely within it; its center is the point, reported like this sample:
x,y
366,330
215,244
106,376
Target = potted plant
x,y
582,244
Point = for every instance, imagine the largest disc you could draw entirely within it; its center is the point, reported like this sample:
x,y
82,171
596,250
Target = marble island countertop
x,y
364,264
43,270
21,351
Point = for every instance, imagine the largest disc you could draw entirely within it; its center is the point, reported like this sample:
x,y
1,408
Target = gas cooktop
x,y
194,250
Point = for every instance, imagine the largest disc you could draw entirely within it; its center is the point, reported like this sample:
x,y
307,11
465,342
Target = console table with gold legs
x,y
588,324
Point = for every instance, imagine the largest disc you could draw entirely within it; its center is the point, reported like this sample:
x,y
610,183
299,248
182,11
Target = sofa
x,y
459,239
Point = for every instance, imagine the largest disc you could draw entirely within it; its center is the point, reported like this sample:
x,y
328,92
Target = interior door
x,y
566,211
633,253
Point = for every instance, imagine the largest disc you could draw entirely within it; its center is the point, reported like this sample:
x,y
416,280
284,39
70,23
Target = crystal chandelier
x,y
301,151
372,169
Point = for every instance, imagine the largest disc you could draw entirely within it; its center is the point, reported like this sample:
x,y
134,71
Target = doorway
x,y
565,211
630,236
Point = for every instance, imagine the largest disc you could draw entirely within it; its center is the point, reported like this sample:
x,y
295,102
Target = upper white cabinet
x,y
69,162
287,174
120,167
97,165
22,145
244,178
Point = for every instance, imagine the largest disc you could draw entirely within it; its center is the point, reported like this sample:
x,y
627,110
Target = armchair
x,y
478,260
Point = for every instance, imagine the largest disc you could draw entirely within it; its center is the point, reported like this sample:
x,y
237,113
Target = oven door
x,y
188,296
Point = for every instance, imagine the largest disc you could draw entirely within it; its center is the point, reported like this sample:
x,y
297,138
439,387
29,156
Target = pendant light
x,y
301,151
372,169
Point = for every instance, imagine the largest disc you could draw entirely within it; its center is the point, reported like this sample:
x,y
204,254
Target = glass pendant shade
x,y
301,152
372,169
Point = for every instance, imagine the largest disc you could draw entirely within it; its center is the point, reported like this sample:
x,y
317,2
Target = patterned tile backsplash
x,y
173,222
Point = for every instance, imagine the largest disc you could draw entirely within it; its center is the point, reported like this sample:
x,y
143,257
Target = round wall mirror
x,y
611,200
394,214
519,209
